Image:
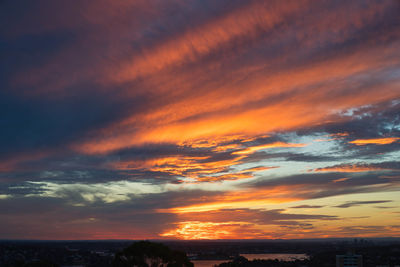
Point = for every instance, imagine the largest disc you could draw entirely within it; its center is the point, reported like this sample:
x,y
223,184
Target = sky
x,y
199,119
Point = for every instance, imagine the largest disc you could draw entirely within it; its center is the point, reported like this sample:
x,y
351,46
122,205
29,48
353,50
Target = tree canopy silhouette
x,y
150,254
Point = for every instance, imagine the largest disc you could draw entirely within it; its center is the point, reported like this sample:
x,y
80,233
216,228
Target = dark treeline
x,y
174,253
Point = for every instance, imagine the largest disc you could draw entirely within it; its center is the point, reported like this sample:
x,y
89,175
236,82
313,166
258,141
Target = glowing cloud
x,y
375,141
267,146
351,168
202,230
198,119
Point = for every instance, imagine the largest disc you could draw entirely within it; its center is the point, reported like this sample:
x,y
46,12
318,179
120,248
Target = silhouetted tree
x,y
149,254
36,263
41,263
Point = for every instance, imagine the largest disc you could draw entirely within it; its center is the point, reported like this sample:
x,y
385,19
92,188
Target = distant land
x,y
203,253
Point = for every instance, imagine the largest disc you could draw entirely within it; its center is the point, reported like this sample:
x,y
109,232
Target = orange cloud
x,y
12,163
190,167
335,136
235,230
375,141
341,180
203,168
194,229
227,147
189,119
252,149
260,168
340,134
242,199
247,22
219,141
244,174
225,177
203,230
349,168
276,98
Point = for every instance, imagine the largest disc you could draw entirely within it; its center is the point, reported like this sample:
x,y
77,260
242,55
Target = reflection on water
x,y
281,256
207,263
250,257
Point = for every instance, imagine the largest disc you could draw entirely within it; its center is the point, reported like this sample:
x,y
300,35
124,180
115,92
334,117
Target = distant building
x,y
349,260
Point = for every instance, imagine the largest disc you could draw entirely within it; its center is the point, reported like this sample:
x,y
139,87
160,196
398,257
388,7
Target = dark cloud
x,y
288,156
361,167
358,203
319,185
48,215
307,207
34,124
259,216
384,207
363,229
376,121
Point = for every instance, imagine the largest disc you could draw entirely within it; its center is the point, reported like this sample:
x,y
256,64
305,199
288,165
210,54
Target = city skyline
x,y
199,119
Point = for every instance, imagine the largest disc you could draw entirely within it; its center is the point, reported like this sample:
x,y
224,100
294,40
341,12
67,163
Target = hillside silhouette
x,y
150,254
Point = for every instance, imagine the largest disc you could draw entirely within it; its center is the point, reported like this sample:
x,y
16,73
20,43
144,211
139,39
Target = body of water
x,y
250,257
207,263
272,256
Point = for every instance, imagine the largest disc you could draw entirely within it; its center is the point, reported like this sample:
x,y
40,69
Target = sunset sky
x,y
199,119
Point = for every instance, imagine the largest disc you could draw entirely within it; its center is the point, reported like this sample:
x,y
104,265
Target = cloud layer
x,y
199,119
